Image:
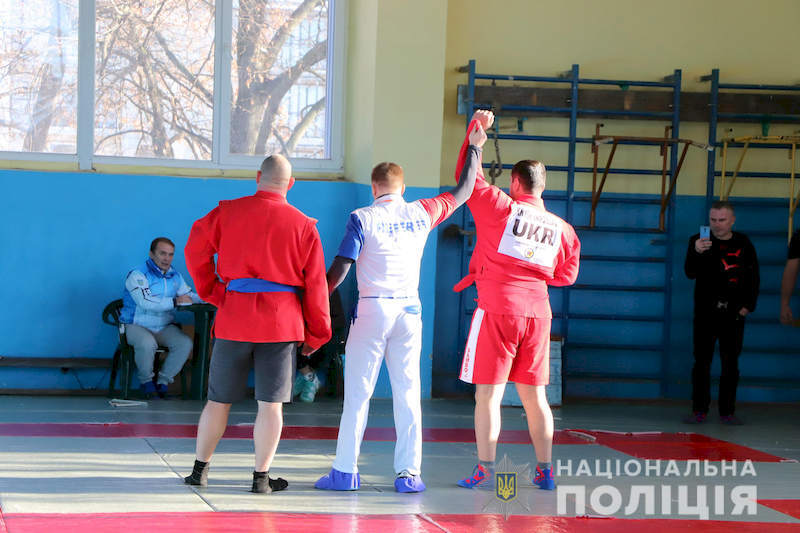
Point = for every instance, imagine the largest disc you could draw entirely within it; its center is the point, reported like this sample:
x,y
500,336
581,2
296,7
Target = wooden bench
x,y
64,363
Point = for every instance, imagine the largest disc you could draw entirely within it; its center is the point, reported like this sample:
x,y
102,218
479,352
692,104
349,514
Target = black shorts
x,y
231,362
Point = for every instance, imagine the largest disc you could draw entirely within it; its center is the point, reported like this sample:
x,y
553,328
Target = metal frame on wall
x,y
764,205
765,141
573,111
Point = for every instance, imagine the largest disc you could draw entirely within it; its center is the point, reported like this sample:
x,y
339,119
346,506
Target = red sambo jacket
x,y
521,248
261,236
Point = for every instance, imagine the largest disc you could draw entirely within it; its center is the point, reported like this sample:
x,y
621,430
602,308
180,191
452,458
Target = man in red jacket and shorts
x,y
521,248
269,286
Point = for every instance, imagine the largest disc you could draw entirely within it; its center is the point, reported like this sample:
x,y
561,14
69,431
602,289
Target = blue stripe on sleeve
x,y
353,239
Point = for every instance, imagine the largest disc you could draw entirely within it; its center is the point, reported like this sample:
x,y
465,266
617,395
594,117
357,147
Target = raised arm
x,y
472,163
442,206
486,200
484,120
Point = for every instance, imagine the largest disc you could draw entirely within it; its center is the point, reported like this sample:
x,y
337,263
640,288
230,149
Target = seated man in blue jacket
x,y
152,292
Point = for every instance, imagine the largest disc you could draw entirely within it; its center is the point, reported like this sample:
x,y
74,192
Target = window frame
x,y
221,159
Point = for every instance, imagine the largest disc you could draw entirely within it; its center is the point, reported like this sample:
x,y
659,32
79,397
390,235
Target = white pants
x,y
383,327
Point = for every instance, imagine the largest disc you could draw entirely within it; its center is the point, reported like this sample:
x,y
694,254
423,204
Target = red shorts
x,y
502,348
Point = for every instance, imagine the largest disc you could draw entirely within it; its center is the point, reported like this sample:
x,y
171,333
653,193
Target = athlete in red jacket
x,y
521,249
270,289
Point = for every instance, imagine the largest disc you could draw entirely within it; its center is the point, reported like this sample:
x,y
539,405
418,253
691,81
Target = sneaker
x,y
310,388
696,417
337,480
407,482
148,390
481,478
731,420
544,479
161,389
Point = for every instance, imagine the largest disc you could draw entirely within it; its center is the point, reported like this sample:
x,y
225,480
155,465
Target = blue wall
x,y
769,364
69,238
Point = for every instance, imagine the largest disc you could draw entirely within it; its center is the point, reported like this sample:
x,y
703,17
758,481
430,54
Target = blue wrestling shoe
x,y
731,420
697,417
408,482
481,478
544,479
161,389
148,390
336,480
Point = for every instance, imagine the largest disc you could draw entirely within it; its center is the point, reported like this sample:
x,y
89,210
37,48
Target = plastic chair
x,y
124,355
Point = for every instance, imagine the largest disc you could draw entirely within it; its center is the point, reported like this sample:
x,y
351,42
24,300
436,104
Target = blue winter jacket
x,y
148,300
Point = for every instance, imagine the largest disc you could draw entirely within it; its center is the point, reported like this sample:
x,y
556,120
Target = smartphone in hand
x,y
705,232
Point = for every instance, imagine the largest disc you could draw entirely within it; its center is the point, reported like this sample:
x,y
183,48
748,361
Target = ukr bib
x,y
531,235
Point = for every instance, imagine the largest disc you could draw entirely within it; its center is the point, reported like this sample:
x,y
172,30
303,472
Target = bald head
x,y
275,174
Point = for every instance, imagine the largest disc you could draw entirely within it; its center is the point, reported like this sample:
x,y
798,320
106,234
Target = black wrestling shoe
x,y
199,475
262,484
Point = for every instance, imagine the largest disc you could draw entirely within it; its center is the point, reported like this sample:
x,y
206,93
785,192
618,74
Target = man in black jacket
x,y
725,268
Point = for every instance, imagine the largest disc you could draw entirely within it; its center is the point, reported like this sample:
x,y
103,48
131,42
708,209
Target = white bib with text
x,y
531,235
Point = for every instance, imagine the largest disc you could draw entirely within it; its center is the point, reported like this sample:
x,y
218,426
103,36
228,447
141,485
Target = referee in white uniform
x,y
386,242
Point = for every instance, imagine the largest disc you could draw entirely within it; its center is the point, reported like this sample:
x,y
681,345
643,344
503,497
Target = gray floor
x,y
91,475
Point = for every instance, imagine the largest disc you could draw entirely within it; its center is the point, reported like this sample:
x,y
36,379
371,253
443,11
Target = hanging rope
x,y
496,167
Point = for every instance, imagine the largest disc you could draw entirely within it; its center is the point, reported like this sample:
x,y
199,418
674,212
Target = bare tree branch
x,y
182,68
99,143
155,77
277,42
13,125
304,124
282,84
258,96
51,78
189,89
202,140
277,136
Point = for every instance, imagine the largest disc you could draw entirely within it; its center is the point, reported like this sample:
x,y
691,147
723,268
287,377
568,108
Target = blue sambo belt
x,y
259,285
